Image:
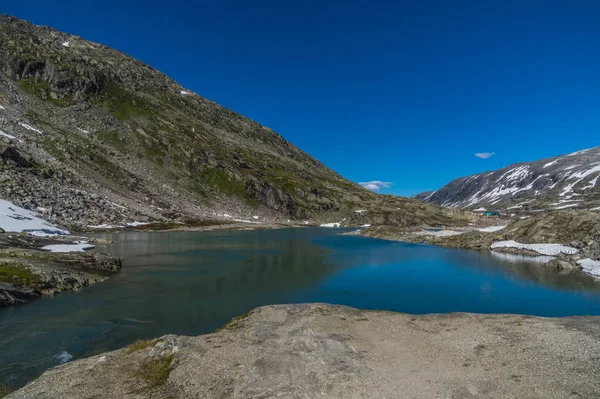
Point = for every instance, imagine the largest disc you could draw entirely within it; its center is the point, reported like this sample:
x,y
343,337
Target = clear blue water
x,y
192,283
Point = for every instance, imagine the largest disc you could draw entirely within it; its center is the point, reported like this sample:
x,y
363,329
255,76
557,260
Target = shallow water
x,y
191,283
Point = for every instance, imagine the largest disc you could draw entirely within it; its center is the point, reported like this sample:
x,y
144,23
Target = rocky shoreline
x,y
325,351
26,272
577,230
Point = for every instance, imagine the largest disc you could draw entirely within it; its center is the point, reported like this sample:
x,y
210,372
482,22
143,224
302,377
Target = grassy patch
x,y
18,275
42,89
235,322
5,390
155,373
222,182
141,344
124,105
106,167
113,139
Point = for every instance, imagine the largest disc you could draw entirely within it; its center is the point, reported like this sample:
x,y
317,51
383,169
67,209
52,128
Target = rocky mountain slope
x,y
566,181
90,136
325,351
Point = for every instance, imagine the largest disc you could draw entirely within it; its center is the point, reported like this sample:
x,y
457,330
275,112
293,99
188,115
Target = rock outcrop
x,y
325,351
577,229
27,273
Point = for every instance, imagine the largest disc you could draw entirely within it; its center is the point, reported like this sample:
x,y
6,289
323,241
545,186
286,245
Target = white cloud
x,y
484,155
376,185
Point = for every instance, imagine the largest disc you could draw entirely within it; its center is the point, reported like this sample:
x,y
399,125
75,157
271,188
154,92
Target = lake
x,y
194,282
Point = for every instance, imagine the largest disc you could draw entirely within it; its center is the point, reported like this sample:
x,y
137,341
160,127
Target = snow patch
x,y
330,224
2,108
44,234
16,219
67,247
361,211
102,226
6,135
26,126
482,209
577,152
246,221
590,266
566,206
135,224
491,229
542,249
66,44
185,93
366,225
83,130
550,163
595,209
440,233
592,183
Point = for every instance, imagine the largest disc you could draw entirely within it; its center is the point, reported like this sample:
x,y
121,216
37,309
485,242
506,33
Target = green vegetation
x,y
45,256
43,90
141,344
106,167
124,105
235,322
220,180
5,391
155,153
155,372
18,275
113,139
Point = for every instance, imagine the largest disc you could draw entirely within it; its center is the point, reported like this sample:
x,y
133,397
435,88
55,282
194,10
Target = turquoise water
x,y
191,283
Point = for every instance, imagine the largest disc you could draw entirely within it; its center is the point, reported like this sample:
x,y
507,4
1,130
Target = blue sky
x,y
403,92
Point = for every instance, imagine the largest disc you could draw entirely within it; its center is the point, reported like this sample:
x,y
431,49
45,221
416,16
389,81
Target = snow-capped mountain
x,y
566,181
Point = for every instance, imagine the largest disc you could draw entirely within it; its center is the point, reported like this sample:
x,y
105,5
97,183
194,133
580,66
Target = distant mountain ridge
x,y
566,181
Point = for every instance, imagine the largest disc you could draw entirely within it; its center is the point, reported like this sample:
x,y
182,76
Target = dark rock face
x,y
15,295
555,183
13,154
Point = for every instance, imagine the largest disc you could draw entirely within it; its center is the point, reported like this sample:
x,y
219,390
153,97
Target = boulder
x,y
13,154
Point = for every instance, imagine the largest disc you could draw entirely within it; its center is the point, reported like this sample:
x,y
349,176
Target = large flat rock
x,y
325,351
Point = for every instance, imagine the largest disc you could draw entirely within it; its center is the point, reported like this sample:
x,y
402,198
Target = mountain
x,y
566,181
91,136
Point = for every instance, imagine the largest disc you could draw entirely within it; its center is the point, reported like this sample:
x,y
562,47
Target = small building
x,y
492,214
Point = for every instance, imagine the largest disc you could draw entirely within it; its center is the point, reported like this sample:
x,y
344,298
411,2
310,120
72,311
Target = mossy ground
x,y
42,90
5,391
124,104
18,275
235,322
141,344
155,372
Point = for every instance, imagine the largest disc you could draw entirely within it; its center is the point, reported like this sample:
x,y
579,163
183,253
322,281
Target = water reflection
x,y
191,283
520,268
